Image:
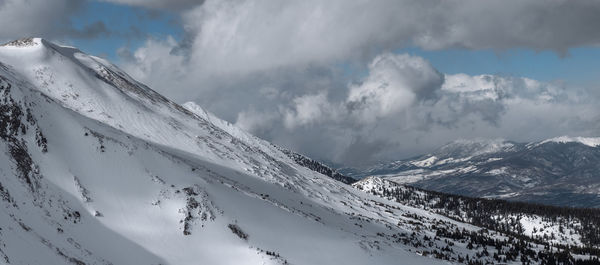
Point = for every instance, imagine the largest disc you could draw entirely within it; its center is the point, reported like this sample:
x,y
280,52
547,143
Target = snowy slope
x,y
245,136
528,233
97,168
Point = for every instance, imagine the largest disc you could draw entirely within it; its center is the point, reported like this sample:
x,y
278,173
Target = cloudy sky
x,y
350,81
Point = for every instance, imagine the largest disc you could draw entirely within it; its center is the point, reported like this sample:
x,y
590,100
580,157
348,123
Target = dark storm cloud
x,y
225,40
540,25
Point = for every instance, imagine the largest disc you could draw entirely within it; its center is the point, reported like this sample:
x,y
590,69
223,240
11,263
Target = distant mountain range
x,y
563,171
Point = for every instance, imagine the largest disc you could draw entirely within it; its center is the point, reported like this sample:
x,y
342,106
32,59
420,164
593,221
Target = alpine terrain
x,y
562,171
96,168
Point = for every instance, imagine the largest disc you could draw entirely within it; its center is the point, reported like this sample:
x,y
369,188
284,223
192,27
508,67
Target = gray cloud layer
x,y
159,4
45,18
339,27
34,17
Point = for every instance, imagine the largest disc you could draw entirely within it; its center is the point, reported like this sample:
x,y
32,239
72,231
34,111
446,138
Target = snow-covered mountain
x,y
562,171
96,168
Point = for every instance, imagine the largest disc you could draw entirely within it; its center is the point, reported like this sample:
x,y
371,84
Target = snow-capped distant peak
x,y
589,141
475,147
425,162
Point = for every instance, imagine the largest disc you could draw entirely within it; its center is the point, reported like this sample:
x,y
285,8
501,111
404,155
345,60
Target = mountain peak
x,y
474,147
23,42
589,141
38,46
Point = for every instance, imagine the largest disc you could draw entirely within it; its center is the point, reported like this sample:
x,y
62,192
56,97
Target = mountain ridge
x,y
558,171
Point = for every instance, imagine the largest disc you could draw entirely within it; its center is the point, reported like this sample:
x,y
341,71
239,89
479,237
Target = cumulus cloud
x,y
318,76
396,120
307,110
394,83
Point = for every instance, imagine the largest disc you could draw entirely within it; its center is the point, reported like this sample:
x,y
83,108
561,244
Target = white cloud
x,y
395,82
156,63
394,120
308,109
